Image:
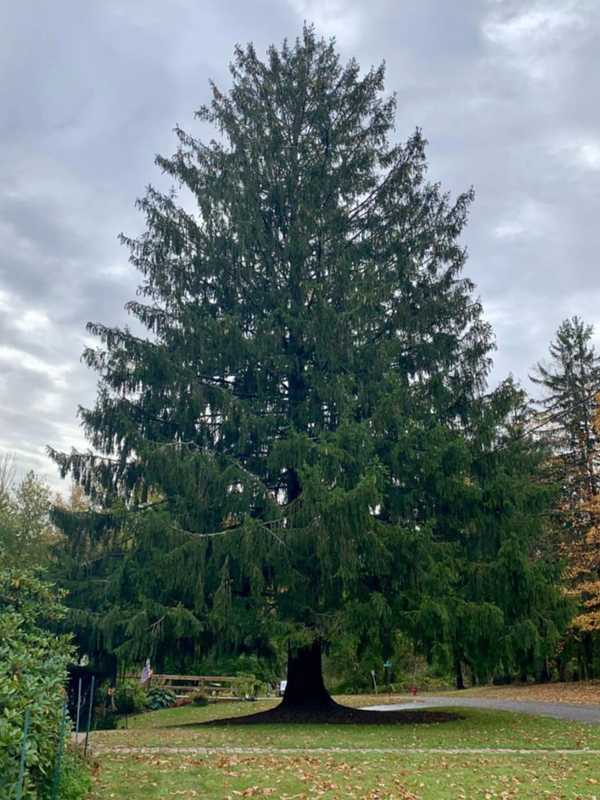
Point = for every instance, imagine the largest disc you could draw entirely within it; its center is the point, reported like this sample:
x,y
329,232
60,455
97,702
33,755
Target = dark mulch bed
x,y
335,715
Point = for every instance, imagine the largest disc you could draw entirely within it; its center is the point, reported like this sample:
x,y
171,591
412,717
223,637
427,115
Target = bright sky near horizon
x,y
506,92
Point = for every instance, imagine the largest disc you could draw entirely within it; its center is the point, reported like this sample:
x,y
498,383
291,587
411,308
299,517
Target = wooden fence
x,y
212,685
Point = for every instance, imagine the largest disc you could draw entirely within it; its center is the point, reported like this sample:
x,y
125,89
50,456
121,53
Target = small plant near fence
x,y
199,698
249,686
158,697
130,698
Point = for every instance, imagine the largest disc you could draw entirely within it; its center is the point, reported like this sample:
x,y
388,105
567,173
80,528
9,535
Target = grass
x,y
368,776
180,727
350,776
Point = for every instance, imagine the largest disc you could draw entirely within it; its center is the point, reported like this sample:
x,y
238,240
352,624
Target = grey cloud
x,y
504,91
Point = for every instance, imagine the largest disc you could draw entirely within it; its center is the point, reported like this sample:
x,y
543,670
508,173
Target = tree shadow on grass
x,y
332,714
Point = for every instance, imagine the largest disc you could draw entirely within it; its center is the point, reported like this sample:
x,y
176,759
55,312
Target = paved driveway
x,y
575,713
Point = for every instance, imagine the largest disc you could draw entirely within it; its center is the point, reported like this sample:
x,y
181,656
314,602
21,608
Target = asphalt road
x,y
575,713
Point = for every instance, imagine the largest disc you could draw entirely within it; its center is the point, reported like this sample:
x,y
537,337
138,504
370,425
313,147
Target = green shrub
x,y
33,672
130,698
158,697
247,685
75,779
199,698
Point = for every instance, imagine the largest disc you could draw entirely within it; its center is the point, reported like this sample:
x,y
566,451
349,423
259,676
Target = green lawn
x,y
303,776
357,776
478,728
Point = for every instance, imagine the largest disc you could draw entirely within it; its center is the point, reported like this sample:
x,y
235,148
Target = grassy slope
x,y
354,775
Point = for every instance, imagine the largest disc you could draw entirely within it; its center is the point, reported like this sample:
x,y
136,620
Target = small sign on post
x,y
387,666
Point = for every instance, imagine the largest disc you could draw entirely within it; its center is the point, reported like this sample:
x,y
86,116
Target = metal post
x,y
89,719
59,752
78,710
21,778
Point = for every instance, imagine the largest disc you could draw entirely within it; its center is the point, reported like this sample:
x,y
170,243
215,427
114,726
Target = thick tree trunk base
x,y
305,688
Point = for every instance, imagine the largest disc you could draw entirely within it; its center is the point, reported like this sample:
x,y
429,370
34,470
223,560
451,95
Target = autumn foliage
x,y
584,560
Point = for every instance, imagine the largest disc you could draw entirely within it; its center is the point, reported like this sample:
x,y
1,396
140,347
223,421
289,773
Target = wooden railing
x,y
213,685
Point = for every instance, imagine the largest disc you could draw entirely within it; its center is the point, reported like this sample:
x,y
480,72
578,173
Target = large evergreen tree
x,y
273,461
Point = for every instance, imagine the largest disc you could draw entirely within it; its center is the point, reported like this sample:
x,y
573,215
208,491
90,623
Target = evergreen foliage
x,y
571,383
570,425
584,570
299,448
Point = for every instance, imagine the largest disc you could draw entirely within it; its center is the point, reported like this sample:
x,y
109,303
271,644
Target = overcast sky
x,y
505,92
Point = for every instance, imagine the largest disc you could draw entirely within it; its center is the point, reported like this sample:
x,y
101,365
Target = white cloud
x,y
32,321
541,25
588,155
534,38
529,219
579,150
332,18
20,359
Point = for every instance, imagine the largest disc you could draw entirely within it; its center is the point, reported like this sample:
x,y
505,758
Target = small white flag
x,y
146,672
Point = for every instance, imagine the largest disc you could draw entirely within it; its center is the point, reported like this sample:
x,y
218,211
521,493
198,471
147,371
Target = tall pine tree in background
x,y
584,564
571,382
276,462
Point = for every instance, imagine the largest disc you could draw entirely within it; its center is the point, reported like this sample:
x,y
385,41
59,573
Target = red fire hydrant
x,y
413,690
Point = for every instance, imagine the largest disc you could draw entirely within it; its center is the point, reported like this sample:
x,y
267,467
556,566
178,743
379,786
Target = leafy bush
x,y
33,672
247,685
108,721
199,698
75,780
158,697
130,698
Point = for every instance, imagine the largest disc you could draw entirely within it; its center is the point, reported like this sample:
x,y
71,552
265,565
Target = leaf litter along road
x,y
559,710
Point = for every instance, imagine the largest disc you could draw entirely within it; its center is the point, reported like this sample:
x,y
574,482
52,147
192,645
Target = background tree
x,y
26,533
270,459
507,610
584,574
571,382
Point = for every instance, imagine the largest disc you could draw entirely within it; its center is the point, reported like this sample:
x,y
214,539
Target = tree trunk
x,y
460,682
588,657
305,688
523,675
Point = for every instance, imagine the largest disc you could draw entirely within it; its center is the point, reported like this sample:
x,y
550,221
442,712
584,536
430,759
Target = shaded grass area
x,y
335,714
475,729
363,777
